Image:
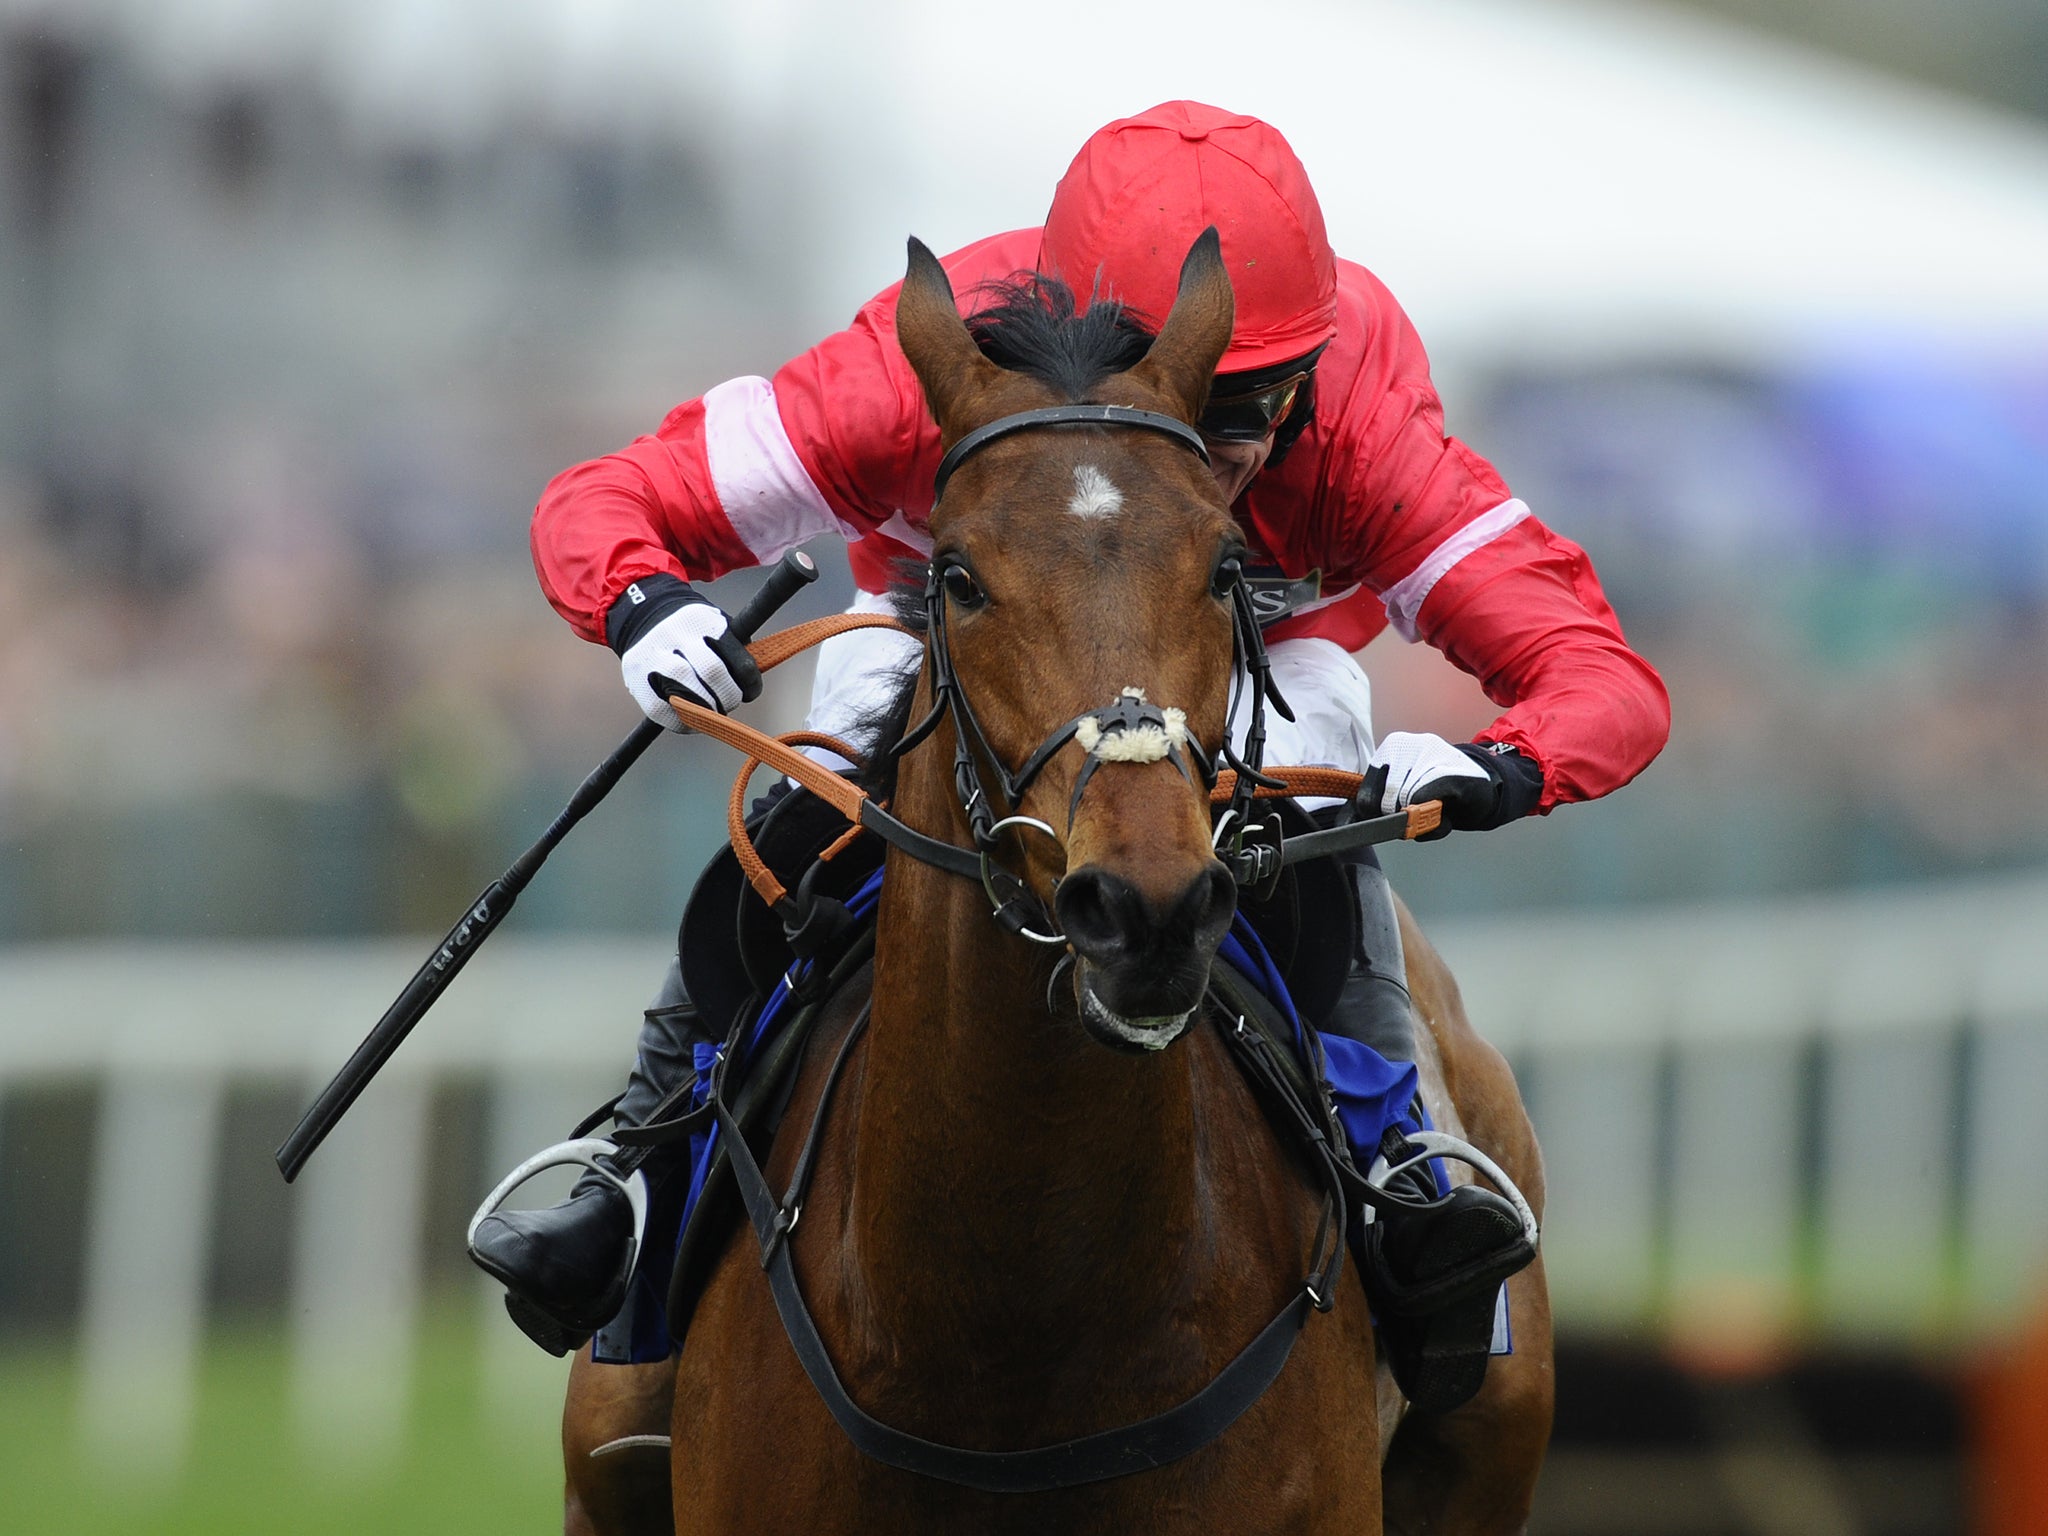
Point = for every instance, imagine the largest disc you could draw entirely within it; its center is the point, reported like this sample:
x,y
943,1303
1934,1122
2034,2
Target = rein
x,y
1253,851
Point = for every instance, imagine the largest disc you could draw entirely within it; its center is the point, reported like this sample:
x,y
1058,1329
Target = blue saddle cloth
x,y
1372,1094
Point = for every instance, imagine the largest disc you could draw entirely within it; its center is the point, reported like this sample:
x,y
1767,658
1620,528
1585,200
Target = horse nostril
x,y
1207,905
1098,912
1106,918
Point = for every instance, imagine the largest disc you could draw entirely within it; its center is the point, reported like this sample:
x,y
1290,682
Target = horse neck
x,y
1012,1175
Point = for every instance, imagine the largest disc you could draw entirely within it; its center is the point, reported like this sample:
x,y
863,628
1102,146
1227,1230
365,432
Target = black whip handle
x,y
795,571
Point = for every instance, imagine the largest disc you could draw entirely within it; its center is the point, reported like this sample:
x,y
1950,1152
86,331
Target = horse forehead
x,y
1074,488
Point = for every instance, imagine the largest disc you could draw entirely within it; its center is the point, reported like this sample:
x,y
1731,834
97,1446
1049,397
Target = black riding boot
x,y
1434,1264
565,1267
1374,1006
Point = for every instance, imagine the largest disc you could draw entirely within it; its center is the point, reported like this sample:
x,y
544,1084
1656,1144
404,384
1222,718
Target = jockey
x,y
1327,440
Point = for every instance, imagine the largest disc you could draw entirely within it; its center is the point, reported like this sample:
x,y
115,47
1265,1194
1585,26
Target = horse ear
x,y
936,340
1183,360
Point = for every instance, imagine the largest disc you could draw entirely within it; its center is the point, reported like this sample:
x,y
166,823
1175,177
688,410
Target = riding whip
x,y
483,915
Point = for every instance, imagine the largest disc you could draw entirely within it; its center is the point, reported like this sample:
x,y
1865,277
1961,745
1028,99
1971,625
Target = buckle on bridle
x,y
1251,851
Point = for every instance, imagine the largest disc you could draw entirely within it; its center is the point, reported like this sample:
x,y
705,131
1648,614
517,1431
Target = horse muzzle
x,y
1142,966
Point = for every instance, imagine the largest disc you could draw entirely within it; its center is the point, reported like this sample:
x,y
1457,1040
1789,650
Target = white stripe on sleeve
x,y
1404,599
898,528
768,497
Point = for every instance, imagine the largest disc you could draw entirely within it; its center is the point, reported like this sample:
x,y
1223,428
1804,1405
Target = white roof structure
x,y
1527,175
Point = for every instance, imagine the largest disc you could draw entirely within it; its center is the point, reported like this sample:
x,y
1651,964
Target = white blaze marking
x,y
1094,496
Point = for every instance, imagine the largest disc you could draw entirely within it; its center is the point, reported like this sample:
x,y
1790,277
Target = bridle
x,y
1252,848
1015,908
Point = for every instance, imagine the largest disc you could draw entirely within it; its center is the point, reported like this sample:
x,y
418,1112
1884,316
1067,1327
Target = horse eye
x,y
962,588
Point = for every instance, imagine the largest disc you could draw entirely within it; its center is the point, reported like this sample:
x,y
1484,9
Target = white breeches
x,y
858,673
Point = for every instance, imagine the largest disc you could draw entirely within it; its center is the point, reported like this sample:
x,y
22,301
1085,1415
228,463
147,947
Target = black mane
x,y
1028,323
876,731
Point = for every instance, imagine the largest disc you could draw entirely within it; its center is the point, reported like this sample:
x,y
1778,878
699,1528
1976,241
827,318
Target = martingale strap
x,y
1153,1442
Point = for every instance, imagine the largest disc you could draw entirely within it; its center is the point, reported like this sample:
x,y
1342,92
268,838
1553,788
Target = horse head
x,y
1080,599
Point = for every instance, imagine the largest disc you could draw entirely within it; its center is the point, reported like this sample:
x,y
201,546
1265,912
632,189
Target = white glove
x,y
1410,762
694,649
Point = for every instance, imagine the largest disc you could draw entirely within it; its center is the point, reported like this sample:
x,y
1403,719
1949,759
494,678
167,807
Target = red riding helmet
x,y
1141,189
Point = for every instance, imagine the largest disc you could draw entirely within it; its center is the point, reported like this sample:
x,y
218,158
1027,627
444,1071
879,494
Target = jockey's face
x,y
1243,414
1234,464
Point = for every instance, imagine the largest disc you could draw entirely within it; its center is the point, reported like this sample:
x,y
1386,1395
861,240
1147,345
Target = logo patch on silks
x,y
1276,597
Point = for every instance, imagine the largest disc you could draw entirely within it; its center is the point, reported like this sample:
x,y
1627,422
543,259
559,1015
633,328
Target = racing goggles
x,y
1250,418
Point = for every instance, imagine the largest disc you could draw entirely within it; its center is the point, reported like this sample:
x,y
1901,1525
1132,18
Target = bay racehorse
x,y
1046,1202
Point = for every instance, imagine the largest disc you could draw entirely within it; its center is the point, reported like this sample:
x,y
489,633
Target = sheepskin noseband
x,y
1132,731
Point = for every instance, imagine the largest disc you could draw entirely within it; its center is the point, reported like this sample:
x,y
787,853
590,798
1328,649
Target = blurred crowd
x,y
1841,567
272,658
280,394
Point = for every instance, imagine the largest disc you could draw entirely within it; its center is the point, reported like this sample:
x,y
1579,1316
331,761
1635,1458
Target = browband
x,y
1067,416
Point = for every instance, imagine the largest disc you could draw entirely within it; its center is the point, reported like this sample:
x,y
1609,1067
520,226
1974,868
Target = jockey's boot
x,y
1434,1263
566,1267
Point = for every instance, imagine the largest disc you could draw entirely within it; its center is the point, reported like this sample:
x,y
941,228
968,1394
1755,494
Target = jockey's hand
x,y
673,640
1480,786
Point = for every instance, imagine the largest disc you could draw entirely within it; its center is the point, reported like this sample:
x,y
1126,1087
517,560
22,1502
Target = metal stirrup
x,y
582,1153
1432,1144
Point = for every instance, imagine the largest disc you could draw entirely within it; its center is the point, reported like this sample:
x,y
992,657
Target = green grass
x,y
459,1469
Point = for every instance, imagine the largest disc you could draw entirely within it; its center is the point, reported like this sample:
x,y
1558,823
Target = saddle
x,y
734,949
739,957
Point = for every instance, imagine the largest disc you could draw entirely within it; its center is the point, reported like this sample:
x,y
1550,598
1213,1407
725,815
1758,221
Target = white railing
x,y
166,1029
1763,1123
1785,1119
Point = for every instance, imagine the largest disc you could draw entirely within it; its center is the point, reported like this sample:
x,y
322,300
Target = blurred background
x,y
302,302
